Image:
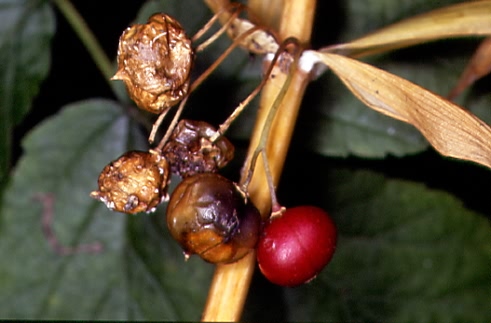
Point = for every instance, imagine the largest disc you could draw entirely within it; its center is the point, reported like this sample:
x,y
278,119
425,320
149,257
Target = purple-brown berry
x,y
190,149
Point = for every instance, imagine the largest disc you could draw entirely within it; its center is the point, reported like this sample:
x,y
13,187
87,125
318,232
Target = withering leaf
x,y
342,125
478,66
405,253
450,129
470,18
339,124
357,19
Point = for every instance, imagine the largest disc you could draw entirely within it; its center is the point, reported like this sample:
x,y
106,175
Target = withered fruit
x,y
209,216
154,61
135,182
191,151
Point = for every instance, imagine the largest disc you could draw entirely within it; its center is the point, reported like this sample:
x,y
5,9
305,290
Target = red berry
x,y
296,246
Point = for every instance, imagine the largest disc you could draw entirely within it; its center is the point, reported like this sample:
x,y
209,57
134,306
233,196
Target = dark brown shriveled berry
x,y
190,150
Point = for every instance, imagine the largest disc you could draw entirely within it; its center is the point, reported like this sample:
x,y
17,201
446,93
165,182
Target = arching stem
x,y
226,124
172,125
237,9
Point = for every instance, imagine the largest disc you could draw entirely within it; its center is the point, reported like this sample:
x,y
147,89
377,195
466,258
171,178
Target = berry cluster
x,y
207,214
137,181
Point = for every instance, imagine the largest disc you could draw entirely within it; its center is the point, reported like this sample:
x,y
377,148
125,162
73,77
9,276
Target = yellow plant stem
x,y
279,137
230,283
268,13
297,19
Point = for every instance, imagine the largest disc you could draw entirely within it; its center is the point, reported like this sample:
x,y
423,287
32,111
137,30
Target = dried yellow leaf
x,y
471,18
478,66
450,129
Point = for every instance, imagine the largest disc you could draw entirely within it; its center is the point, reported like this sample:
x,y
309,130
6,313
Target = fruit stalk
x,y
231,282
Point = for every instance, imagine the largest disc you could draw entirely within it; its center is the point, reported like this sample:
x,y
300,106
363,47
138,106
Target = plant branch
x,y
268,122
90,42
231,282
217,6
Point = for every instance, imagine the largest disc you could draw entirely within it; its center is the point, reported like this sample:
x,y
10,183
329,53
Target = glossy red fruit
x,y
296,246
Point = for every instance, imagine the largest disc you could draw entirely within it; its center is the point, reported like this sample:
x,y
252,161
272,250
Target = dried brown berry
x,y
208,216
135,182
191,151
154,61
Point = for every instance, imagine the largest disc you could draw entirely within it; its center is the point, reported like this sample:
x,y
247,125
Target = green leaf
x,y
139,274
340,125
26,29
405,254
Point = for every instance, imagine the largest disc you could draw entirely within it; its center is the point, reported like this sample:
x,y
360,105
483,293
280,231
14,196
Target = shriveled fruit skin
x,y
190,149
294,247
208,216
154,62
135,182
